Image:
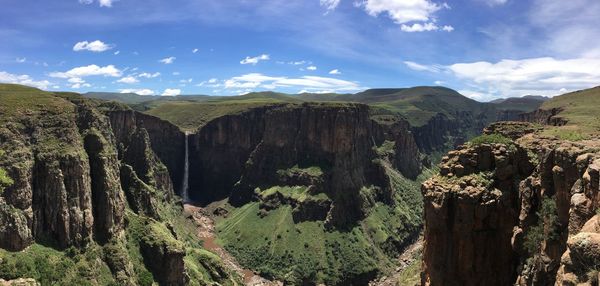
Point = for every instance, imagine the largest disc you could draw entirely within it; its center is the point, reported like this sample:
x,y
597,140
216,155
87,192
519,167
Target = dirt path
x,y
206,232
404,260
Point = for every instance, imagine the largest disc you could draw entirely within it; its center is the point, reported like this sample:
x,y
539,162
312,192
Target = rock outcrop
x,y
519,214
66,185
144,138
245,151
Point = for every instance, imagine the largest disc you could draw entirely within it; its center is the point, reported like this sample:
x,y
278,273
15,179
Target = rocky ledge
x,y
519,213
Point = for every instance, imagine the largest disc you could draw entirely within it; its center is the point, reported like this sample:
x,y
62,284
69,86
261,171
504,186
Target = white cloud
x,y
143,91
420,67
24,79
21,60
448,28
106,3
80,85
171,92
91,70
87,2
402,11
297,63
312,83
176,73
95,46
494,2
149,75
335,71
255,60
128,80
330,5
168,61
117,52
439,82
417,27
541,76
189,80
76,80
195,51
211,82
311,68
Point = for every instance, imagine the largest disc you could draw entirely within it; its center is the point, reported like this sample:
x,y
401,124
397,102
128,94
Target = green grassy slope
x,y
275,246
580,109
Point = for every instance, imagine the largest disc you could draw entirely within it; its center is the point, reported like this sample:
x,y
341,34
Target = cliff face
x,y
66,179
513,214
153,140
544,117
246,151
443,131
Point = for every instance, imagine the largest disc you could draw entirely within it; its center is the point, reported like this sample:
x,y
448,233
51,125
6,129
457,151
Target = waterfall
x,y
186,167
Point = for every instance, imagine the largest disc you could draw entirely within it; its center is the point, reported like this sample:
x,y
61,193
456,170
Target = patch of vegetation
x,y
546,229
53,267
312,171
490,139
5,180
277,247
411,275
309,252
567,134
386,149
298,193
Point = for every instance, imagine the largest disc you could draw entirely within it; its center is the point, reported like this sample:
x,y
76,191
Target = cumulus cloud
x,y
311,68
335,71
330,5
95,46
143,91
91,70
311,83
149,75
195,51
540,76
24,79
168,61
171,92
117,52
255,60
21,60
403,11
128,80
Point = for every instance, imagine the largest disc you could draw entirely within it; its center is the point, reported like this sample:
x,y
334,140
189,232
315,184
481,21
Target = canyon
x,y
331,189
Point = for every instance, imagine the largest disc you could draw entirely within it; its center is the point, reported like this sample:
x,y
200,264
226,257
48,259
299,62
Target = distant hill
x,y
134,98
525,104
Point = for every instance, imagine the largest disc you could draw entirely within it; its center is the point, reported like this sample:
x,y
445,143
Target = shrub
x,y
491,139
5,180
546,229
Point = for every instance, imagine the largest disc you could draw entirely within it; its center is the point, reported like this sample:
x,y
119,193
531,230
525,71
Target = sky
x,y
485,49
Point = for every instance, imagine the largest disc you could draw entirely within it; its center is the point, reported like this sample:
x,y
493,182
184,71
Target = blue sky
x,y
483,48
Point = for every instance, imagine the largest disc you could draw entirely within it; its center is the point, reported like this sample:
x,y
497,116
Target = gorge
x,y
300,191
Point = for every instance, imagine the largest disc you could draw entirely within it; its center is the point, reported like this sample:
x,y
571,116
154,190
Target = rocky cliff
x,y
448,131
513,213
65,171
234,155
85,178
